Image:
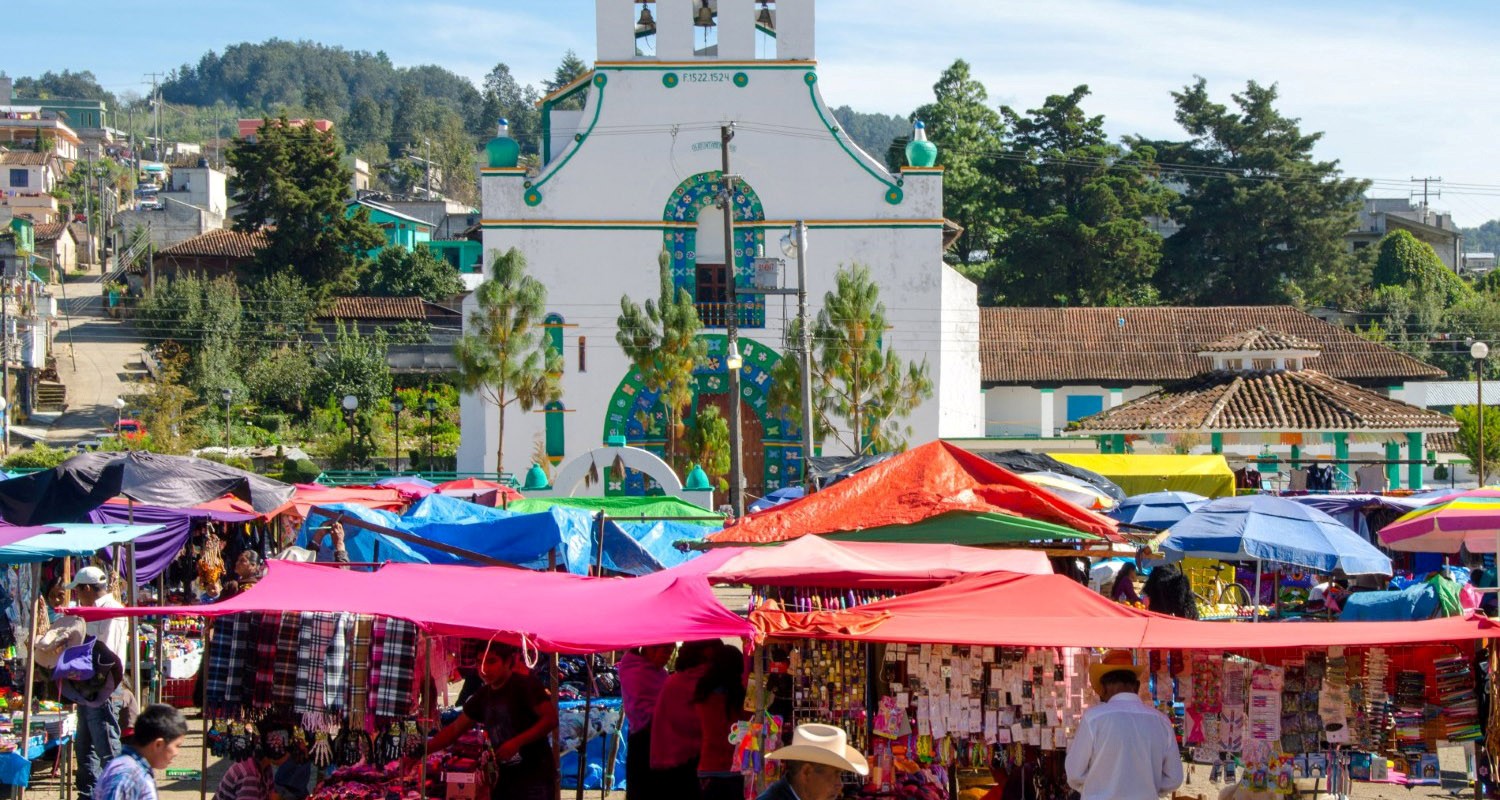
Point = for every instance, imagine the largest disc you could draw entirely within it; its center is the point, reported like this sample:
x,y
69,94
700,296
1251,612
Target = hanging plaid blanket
x,y
227,657
284,674
398,669
267,629
302,697
377,647
360,633
335,679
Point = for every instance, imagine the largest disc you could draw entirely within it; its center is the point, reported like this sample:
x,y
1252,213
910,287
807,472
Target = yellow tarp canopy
x,y
1209,476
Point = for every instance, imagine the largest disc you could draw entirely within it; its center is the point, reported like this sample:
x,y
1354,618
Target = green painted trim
x,y
670,80
707,65
1216,443
1393,471
1414,472
1341,458
893,194
741,79
533,194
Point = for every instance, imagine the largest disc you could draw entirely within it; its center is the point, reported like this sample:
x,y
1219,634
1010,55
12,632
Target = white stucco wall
x,y
596,231
1017,410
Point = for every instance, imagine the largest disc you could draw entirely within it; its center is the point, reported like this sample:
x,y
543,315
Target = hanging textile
x,y
284,673
267,634
359,669
335,679
228,657
398,669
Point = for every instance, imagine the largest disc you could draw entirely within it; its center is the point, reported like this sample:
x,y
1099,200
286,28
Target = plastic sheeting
x,y
1019,461
71,540
815,561
1208,475
521,539
66,493
553,611
925,482
623,507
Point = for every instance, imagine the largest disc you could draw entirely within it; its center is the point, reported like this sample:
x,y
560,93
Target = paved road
x,y
97,357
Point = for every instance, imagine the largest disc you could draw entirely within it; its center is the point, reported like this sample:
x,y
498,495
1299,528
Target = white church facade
x,y
638,171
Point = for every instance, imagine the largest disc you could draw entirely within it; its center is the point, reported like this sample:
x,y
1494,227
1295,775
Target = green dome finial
x,y
919,151
503,151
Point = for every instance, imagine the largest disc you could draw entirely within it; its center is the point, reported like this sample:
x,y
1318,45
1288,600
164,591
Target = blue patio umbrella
x,y
1263,528
776,498
1157,510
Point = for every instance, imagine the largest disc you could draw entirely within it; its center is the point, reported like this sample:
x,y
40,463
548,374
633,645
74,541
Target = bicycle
x,y
1220,594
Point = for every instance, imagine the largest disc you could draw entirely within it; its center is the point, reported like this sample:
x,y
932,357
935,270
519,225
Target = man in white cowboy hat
x,y
1124,749
813,765
97,741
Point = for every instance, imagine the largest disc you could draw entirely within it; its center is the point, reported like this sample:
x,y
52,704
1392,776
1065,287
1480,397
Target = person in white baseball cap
x,y
97,741
813,765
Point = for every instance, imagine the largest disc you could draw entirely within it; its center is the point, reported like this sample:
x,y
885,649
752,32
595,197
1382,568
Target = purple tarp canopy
x,y
154,551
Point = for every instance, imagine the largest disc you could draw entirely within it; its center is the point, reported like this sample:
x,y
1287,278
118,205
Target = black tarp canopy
x,y
1023,461
69,491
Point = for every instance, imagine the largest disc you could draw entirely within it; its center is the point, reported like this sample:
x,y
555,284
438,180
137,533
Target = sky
x,y
1400,89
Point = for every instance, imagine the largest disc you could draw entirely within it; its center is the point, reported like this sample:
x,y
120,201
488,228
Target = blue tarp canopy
x,y
521,539
1267,528
74,540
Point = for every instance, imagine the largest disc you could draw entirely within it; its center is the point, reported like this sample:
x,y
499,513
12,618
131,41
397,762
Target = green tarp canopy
x,y
622,508
966,528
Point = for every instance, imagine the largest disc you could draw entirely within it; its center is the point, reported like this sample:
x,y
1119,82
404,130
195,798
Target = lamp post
x,y
119,412
351,404
732,332
1479,351
228,395
430,406
396,408
794,245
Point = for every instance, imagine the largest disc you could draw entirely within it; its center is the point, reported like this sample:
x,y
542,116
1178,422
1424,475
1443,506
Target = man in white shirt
x,y
97,740
1124,749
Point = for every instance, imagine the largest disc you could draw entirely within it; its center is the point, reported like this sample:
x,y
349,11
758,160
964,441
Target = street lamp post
x,y
1479,351
431,407
119,412
396,408
351,404
228,395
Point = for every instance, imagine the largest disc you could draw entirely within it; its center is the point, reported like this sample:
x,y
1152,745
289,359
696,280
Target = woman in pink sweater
x,y
676,730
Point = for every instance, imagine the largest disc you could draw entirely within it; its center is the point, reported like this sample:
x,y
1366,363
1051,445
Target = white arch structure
x,y
569,478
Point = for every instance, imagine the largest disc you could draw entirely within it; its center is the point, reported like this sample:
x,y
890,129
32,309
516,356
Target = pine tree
x,y
661,340
860,387
503,355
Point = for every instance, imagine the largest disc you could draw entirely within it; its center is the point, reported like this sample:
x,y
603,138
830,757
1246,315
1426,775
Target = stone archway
x,y
635,412
570,477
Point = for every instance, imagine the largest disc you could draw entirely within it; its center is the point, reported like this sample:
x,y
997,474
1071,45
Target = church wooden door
x,y
753,457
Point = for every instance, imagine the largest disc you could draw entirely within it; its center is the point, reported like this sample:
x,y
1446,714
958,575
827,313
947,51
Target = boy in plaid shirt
x,y
159,732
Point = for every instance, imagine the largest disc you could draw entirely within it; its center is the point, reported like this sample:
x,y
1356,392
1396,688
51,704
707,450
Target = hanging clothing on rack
x,y
1371,478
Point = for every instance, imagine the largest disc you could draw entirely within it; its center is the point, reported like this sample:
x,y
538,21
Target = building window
x,y
552,326
1234,364
555,444
583,344
19,179
1264,364
713,295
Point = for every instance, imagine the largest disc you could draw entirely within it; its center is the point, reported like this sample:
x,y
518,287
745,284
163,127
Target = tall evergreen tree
x,y
1262,220
503,355
1075,216
968,133
661,339
291,184
570,69
505,97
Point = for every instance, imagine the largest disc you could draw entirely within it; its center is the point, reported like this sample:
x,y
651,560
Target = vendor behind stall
x,y
517,714
254,777
813,765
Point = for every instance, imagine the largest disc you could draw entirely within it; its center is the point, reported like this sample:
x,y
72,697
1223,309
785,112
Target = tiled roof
x,y
1442,442
1283,400
378,308
1156,345
1258,339
50,231
221,244
24,158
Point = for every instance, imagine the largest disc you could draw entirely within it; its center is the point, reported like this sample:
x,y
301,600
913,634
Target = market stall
x,y
1139,473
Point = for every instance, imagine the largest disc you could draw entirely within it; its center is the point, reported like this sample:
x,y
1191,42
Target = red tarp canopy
x,y
555,611
815,561
309,495
228,504
936,478
473,487
1053,611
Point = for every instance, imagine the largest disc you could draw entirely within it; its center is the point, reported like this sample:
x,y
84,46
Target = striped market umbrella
x,y
1466,519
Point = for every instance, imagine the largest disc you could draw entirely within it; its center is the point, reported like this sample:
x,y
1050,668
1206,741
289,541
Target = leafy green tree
x,y
398,272
37,456
861,389
291,184
505,97
1075,221
216,363
874,133
1483,239
352,363
171,311
1403,319
1407,261
968,133
661,339
169,408
280,308
81,85
1469,437
282,379
1260,217
708,444
503,355
570,69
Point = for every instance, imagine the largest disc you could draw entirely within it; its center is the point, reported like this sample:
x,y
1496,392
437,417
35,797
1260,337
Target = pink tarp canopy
x,y
815,561
556,612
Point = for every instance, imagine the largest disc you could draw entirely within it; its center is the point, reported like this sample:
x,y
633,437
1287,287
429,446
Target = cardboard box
x,y
465,786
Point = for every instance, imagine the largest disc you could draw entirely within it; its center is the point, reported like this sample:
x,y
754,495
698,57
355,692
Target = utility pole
x,y
156,114
806,347
732,324
1426,190
88,213
427,162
